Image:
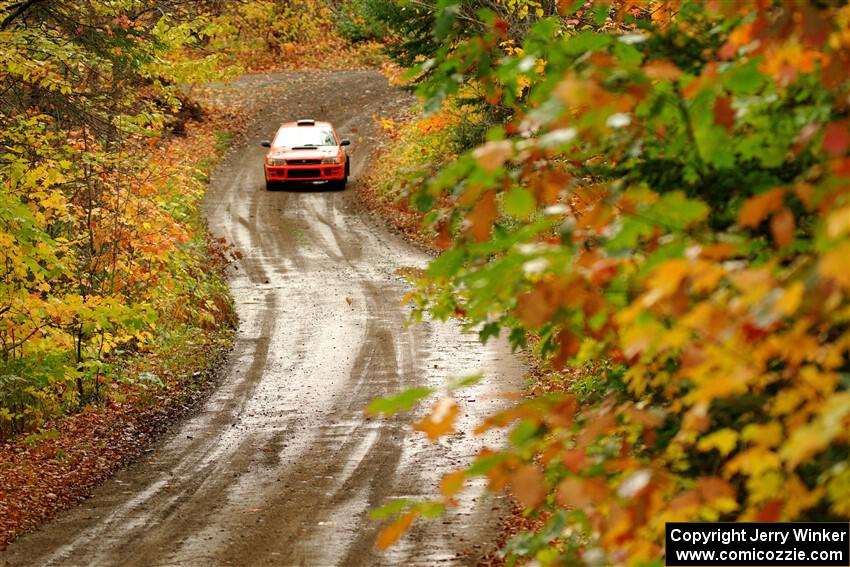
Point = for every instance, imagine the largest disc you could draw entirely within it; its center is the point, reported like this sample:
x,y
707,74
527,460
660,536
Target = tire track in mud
x,y
281,466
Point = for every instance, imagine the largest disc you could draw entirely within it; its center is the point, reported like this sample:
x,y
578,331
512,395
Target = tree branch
x,y
22,7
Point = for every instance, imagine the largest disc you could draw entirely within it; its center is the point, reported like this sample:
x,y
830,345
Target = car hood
x,y
312,153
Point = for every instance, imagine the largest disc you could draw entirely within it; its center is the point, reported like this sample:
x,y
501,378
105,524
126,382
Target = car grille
x,y
304,161
304,173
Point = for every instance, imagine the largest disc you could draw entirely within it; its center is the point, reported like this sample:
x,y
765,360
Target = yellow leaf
x,y
763,488
754,461
799,498
821,382
723,440
667,277
764,434
838,222
835,265
706,275
838,489
791,299
807,441
804,443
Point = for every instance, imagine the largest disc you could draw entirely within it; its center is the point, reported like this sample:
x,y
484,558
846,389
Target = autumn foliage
x,y
269,34
103,165
664,214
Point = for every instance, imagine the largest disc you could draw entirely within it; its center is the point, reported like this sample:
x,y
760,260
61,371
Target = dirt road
x,y
281,466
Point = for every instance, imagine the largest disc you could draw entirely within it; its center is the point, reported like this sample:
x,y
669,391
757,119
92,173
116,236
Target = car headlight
x,y
336,159
276,162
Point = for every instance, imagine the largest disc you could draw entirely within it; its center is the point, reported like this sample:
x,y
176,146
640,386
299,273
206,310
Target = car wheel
x,y
340,185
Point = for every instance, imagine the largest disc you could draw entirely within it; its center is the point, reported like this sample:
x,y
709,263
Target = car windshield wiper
x,y
305,147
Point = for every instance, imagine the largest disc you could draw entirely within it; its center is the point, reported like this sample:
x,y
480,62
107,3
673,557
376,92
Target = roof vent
x,y
306,122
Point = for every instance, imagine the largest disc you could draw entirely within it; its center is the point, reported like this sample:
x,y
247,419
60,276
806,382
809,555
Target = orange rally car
x,y
306,150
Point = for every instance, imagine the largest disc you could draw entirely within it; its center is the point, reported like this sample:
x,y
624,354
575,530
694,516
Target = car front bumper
x,y
318,172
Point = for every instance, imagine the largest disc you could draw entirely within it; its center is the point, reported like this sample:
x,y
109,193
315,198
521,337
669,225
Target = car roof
x,y
315,124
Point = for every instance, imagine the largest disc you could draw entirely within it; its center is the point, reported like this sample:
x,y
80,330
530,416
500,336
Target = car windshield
x,y
301,136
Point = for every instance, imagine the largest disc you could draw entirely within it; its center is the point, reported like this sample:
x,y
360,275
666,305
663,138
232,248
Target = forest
x,y
649,198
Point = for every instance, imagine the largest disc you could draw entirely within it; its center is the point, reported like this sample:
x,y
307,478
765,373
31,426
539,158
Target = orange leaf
x,y
758,207
712,488
574,460
482,216
391,533
492,155
770,511
603,271
452,483
528,485
724,114
582,493
537,306
562,413
647,418
440,421
444,236
836,138
551,186
570,344
534,308
782,227
662,70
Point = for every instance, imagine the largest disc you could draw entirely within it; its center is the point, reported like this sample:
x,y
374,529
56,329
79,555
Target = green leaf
x,y
484,464
391,508
523,434
675,211
629,55
464,381
447,264
488,331
519,203
403,401
630,233
745,79
431,509
586,41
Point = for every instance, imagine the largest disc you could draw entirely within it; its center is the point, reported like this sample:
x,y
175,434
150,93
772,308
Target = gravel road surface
x,y
281,466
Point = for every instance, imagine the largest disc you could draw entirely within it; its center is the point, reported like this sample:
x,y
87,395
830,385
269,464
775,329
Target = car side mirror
x,y
266,144
345,142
